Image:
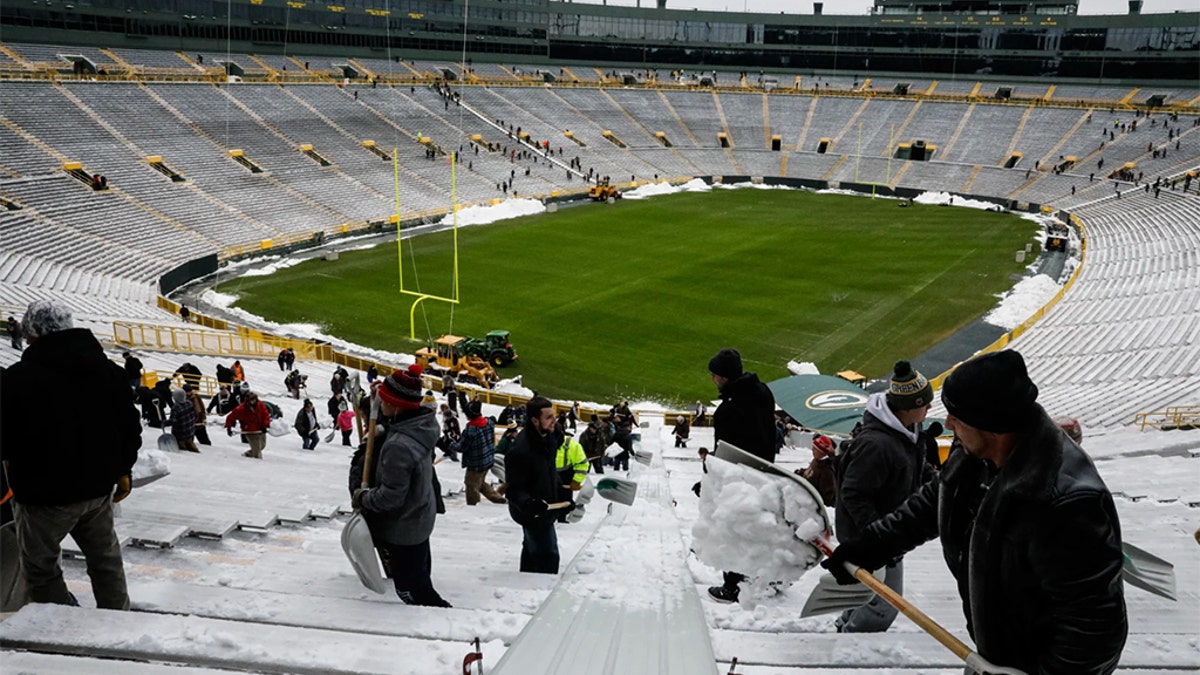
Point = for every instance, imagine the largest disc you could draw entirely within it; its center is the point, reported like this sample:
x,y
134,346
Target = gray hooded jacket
x,y
400,507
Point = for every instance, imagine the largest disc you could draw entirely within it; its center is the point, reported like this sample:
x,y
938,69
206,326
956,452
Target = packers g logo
x,y
835,400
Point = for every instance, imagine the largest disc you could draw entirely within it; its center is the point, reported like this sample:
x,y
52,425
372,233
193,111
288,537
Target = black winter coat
x,y
879,470
746,417
133,368
1035,548
531,476
46,466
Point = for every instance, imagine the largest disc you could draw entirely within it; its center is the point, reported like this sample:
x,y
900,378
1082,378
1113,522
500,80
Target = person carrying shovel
x,y
399,503
1027,527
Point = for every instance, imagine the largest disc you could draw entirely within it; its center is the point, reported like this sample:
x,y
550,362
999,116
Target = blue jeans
x,y
310,441
539,549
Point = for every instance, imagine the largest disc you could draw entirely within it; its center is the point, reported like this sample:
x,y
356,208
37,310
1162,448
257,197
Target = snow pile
x,y
803,368
1020,303
665,188
151,463
652,190
485,215
945,198
756,524
272,267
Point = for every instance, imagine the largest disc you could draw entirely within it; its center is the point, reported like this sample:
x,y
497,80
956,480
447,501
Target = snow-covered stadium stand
x,y
250,577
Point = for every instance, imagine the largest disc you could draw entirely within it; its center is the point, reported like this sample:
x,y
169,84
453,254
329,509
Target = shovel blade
x,y
1148,572
829,597
360,550
643,457
167,443
617,490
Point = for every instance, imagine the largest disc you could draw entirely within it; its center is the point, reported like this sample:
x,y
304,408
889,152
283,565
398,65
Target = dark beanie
x,y
727,363
402,389
991,392
908,390
474,409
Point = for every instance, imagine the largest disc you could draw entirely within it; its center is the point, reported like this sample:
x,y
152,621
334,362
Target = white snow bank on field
x,y
1020,303
151,463
757,524
665,188
943,198
754,186
652,190
484,215
803,368
304,331
272,267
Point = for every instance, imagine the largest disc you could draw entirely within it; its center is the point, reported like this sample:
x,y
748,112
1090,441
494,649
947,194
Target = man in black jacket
x,y
1027,527
133,370
745,419
883,466
60,486
533,484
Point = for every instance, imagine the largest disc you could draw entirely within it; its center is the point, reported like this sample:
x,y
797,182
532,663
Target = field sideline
x,y
630,300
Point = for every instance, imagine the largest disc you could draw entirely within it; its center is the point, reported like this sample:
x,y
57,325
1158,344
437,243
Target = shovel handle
x,y
557,505
366,474
896,600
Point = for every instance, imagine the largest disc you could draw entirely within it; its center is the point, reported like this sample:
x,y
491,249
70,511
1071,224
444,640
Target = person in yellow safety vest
x,y
572,465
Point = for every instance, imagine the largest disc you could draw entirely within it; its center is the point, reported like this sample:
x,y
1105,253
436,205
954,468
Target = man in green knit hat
x,y
883,466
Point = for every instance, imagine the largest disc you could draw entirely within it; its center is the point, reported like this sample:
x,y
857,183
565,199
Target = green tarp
x,y
820,402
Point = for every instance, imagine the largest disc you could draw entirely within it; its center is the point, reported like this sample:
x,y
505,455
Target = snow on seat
x,y
235,645
629,584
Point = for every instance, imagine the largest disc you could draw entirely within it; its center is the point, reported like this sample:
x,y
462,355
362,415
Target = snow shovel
x,y
167,442
617,490
642,457
356,535
972,658
1148,571
329,436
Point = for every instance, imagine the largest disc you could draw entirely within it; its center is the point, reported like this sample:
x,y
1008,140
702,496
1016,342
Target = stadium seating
x,y
110,246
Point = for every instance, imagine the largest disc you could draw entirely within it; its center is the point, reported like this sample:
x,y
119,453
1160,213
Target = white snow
x,y
1022,301
756,524
151,462
665,188
487,214
944,198
803,368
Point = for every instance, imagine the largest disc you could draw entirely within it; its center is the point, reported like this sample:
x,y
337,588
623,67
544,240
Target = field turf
x,y
630,300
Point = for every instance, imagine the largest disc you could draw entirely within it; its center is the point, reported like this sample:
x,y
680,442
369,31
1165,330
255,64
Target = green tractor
x,y
495,348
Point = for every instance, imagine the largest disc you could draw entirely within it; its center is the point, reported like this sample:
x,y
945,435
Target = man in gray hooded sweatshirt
x,y
883,466
400,504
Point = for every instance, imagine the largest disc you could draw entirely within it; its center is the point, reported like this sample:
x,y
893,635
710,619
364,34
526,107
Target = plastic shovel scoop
x,y
356,535
617,490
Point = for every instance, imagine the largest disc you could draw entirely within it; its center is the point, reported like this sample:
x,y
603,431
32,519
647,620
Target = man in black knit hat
x,y
746,420
1027,528
882,467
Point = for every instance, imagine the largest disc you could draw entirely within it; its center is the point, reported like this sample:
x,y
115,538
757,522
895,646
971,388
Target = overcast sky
x,y
863,6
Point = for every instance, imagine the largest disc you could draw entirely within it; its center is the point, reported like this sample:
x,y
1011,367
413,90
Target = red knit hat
x,y
403,388
823,444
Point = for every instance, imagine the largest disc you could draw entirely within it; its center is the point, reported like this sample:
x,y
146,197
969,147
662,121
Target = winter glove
x,y
575,513
229,430
856,553
356,500
696,488
124,486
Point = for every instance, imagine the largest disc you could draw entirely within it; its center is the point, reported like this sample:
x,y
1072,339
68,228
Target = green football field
x,y
630,300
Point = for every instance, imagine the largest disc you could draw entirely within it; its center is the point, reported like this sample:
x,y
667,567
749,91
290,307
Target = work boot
x,y
723,594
